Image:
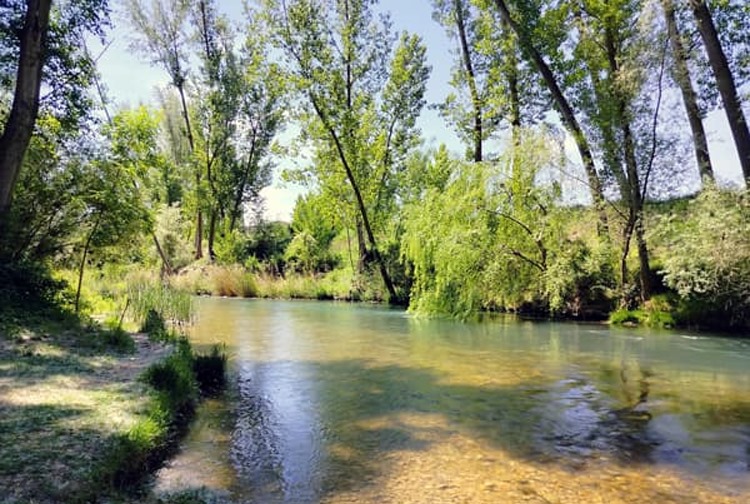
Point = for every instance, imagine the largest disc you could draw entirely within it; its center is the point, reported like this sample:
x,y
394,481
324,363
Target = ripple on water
x,y
344,404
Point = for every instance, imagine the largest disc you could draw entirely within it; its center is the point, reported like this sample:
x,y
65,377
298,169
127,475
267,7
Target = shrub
x,y
210,370
626,317
174,380
707,262
154,326
173,396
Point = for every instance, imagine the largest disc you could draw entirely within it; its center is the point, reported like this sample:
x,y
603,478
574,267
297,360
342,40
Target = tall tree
x,y
162,37
20,123
455,15
42,48
365,96
613,47
563,106
239,112
689,97
725,82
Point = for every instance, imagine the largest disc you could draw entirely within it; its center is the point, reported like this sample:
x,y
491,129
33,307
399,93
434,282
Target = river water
x,y
342,403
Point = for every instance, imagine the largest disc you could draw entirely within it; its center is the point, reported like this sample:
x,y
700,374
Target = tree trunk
x,y
361,247
20,124
566,113
241,189
360,203
689,98
476,104
635,195
511,75
189,132
82,266
212,235
725,83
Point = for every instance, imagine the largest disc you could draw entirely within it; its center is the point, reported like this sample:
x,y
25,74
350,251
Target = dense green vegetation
x,y
631,223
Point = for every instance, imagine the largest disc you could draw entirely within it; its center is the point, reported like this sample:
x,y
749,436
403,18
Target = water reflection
x,y
358,404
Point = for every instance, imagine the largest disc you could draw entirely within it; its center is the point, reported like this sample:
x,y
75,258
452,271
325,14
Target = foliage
x,y
314,229
171,403
147,294
580,280
490,239
656,313
708,262
172,230
69,70
210,370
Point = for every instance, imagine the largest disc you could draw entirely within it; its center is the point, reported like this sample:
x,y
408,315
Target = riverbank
x,y
81,418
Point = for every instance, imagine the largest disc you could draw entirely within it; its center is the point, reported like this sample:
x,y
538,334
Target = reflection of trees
x,y
367,411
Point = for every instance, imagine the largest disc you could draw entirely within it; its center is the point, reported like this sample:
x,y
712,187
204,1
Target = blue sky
x,y
131,81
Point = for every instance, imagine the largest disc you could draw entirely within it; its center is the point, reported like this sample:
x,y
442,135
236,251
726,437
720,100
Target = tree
x,y
365,97
239,96
614,48
567,113
725,82
455,16
20,123
41,47
689,97
161,29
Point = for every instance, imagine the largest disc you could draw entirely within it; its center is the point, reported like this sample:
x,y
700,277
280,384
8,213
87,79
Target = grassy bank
x,y
80,421
63,403
86,408
236,281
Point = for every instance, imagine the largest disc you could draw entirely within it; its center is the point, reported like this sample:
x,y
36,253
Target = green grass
x,y
63,402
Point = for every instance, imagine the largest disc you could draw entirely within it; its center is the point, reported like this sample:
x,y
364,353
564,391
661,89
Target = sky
x,y
131,81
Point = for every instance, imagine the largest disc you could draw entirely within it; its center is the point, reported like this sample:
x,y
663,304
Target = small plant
x,y
155,327
117,338
210,370
175,307
626,317
173,378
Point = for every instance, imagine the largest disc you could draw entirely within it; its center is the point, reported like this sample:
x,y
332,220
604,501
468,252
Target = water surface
x,y
352,403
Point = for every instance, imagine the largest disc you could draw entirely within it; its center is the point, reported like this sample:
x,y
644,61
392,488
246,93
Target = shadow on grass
x,y
36,460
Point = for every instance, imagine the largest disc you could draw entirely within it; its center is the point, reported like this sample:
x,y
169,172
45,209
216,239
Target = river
x,y
343,403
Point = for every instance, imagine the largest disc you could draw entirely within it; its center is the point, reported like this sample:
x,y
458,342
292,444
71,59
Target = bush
x,y
154,326
210,370
579,280
174,380
626,317
707,258
29,289
657,313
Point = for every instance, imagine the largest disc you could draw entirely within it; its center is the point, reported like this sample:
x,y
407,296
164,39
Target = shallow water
x,y
353,403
